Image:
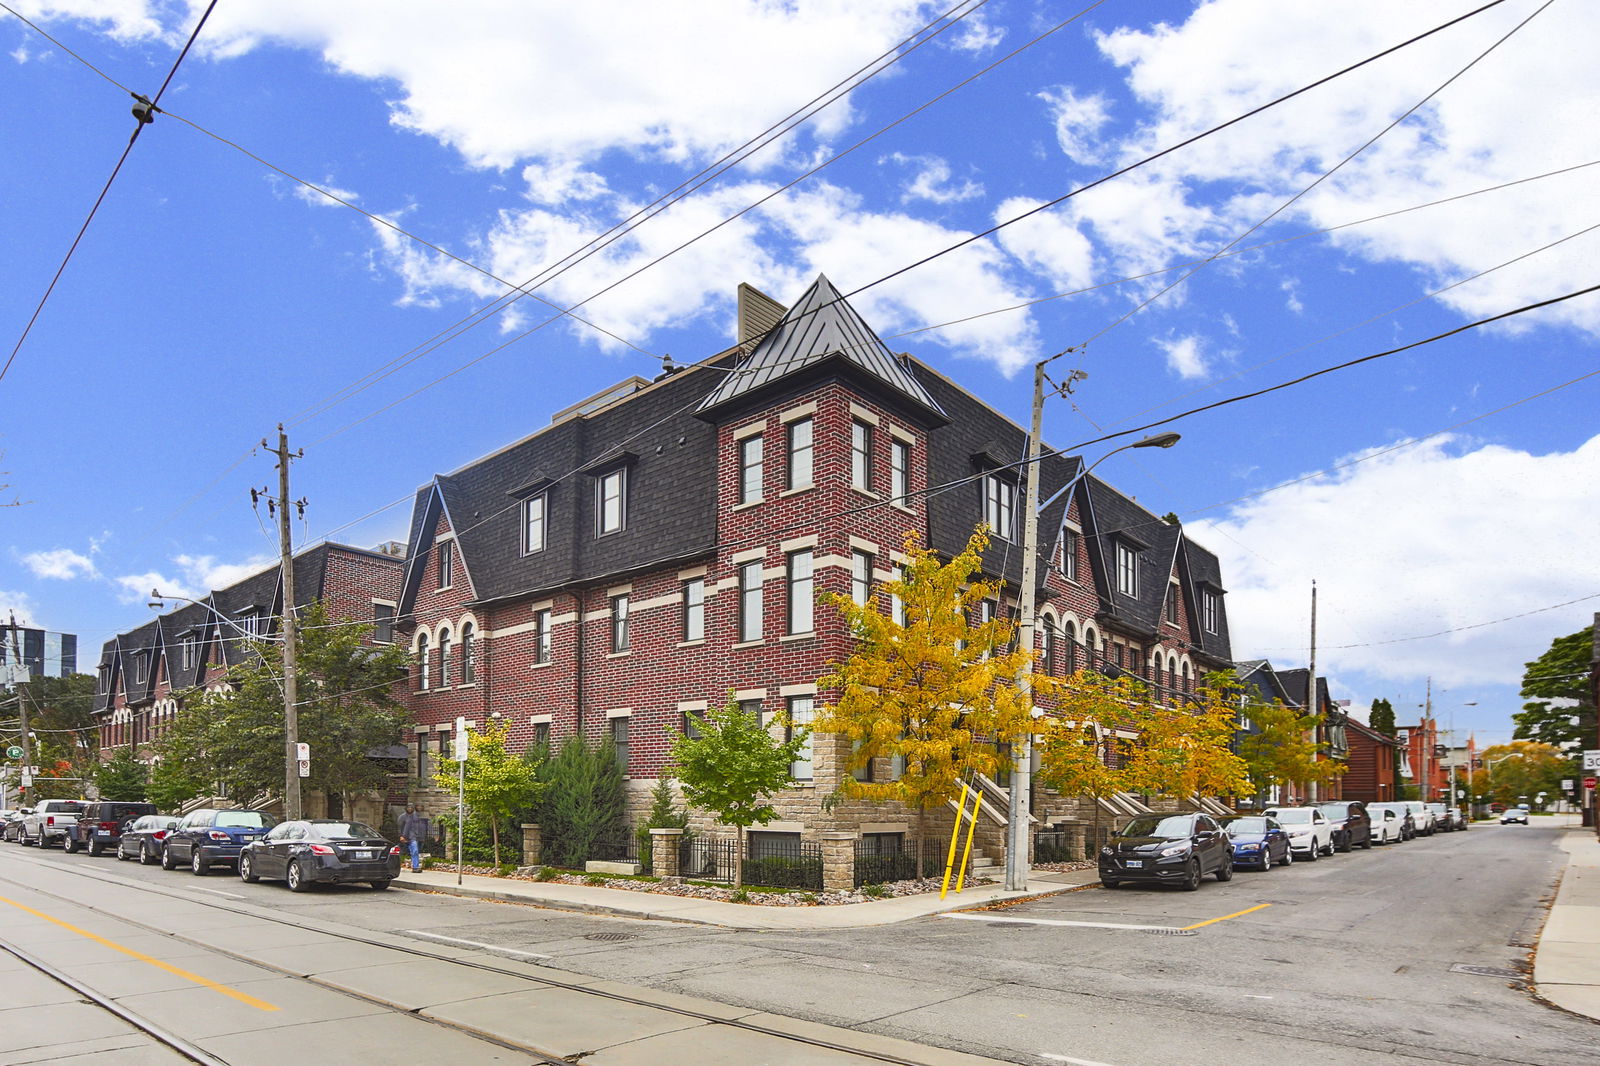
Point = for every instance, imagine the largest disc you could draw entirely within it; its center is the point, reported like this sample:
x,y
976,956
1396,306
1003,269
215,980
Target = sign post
x,y
461,795
302,753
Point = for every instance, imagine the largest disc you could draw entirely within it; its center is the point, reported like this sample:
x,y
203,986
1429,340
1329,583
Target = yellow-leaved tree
x,y
927,689
1089,709
1283,749
1186,750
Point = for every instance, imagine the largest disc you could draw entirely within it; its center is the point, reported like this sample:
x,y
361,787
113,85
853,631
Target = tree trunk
x,y
738,859
1092,850
494,835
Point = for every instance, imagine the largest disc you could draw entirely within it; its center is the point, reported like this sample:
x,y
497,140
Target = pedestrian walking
x,y
413,831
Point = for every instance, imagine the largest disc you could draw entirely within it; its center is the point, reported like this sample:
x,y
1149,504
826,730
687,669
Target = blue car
x,y
204,838
1258,842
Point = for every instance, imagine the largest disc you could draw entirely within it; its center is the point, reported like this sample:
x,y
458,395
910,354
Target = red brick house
x,y
661,548
1371,777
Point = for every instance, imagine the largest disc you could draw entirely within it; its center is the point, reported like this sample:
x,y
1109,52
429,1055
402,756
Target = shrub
x,y
783,872
874,891
664,814
547,873
594,879
740,895
584,801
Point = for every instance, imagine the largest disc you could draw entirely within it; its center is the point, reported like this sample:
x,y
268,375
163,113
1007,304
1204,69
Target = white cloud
x,y
1185,356
125,20
60,564
572,81
194,577
976,34
1078,119
316,199
555,183
1434,537
932,180
1514,115
18,603
1291,294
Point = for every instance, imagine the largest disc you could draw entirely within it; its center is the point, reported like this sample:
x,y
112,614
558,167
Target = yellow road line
x,y
232,993
1225,917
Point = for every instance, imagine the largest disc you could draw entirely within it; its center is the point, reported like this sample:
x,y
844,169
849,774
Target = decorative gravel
x,y
722,894
1067,867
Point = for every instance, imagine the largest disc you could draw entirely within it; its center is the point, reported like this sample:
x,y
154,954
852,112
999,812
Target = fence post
x,y
1076,837
838,862
664,853
532,844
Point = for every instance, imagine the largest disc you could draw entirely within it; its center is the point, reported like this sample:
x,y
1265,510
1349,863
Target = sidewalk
x,y
629,904
1566,965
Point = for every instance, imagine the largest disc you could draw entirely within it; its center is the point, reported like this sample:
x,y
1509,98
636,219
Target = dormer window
x,y
1172,604
611,492
447,566
140,662
533,523
1069,554
249,622
1209,604
189,645
999,499
1127,570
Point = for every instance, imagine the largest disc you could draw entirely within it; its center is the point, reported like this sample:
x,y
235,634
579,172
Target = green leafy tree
x,y
1560,708
1090,708
496,784
122,777
1381,718
1186,750
584,801
928,687
348,709
66,736
1284,750
172,784
1521,770
664,814
732,768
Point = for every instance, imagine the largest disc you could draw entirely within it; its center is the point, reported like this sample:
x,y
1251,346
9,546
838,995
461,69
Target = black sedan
x,y
144,837
1175,849
321,849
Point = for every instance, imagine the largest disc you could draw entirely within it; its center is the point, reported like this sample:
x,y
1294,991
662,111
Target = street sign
x,y
1591,760
305,767
13,752
27,779
302,752
461,740
1588,782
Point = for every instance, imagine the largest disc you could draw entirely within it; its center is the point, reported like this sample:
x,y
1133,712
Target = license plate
x,y
1134,864
246,839
362,854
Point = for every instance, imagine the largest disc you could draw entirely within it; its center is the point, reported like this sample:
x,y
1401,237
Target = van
x,y
100,826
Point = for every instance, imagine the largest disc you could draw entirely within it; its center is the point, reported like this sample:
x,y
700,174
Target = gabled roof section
x,y
821,326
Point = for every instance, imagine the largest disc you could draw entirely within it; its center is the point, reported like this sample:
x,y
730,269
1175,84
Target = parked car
x,y
330,850
143,838
50,821
1387,826
99,827
11,827
1258,841
1352,826
1518,815
1422,818
1176,849
1309,830
1408,826
1447,818
203,838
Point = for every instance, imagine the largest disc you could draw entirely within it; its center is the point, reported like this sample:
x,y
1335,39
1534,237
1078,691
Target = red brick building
x,y
662,547
1371,776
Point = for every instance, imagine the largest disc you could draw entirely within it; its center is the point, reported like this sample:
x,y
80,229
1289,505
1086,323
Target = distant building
x,y
1372,777
45,654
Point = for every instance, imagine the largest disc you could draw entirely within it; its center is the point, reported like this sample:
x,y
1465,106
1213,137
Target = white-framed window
x,y
802,710
382,623
1069,554
750,469
861,456
1172,604
1208,610
446,667
612,501
802,593
1051,649
424,662
999,497
447,565
541,636
541,734
694,609
1127,570
424,762
801,466
899,470
250,622
619,741
861,577
189,644
897,605
534,510
469,654
1071,634
750,607
619,624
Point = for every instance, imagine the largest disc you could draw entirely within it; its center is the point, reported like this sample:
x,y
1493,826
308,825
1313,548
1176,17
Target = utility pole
x,y
1017,841
1311,674
291,720
22,699
1428,737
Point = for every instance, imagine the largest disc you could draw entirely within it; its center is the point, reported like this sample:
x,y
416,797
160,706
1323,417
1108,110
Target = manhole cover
x,y
612,936
1172,932
1487,971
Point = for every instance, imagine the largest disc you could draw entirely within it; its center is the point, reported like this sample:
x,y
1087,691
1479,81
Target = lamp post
x,y
1490,764
1017,817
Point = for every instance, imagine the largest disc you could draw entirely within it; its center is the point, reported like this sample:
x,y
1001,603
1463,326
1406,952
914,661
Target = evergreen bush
x,y
583,803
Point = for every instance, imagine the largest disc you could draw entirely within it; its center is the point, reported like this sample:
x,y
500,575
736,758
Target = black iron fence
x,y
877,864
625,850
1053,846
775,864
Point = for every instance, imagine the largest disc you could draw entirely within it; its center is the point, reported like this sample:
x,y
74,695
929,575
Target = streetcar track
x,y
547,1060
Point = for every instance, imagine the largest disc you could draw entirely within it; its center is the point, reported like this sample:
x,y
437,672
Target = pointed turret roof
x,y
821,326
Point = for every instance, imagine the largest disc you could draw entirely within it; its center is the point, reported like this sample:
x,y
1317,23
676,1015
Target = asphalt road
x,y
1346,961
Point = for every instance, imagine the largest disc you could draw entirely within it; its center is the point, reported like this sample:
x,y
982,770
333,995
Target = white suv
x,y
1310,832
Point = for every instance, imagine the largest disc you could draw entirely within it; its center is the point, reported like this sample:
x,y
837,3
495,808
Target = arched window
x,y
469,665
444,658
422,661
1187,687
1155,673
1072,648
1050,651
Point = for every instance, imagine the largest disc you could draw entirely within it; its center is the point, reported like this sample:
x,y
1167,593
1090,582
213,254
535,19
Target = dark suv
x,y
206,837
1173,849
1352,825
101,824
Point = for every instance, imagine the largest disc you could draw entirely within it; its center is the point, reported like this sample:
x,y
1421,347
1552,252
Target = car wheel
x,y
295,877
96,849
1344,844
1191,883
380,885
247,870
1311,852
146,856
1106,882
121,856
69,844
1225,871
197,863
1366,845
168,860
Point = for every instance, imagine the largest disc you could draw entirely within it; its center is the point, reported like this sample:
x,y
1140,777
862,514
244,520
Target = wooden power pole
x,y
291,695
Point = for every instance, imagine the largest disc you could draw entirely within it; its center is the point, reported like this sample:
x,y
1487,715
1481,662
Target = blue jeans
x,y
415,847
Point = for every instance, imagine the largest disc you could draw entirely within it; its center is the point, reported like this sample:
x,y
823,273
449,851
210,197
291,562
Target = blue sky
x,y
213,298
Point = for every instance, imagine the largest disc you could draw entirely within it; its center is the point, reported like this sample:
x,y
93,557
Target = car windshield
x,y
1170,827
1334,810
244,820
1293,817
344,830
1238,826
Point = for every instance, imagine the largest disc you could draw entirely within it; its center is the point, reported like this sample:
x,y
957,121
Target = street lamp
x,y
1017,825
1490,764
291,759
